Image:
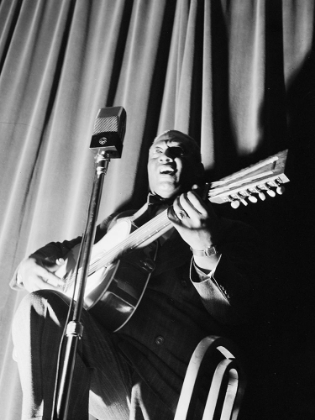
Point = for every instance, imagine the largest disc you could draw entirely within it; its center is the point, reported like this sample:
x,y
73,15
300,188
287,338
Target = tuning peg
x,y
257,191
252,198
269,191
280,187
235,204
242,199
261,195
236,199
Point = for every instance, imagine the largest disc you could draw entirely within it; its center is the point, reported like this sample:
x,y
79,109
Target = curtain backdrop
x,y
238,75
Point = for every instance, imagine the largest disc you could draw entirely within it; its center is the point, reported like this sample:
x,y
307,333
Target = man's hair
x,y
175,134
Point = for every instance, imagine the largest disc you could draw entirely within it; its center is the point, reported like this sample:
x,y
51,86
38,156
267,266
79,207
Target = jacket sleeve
x,y
232,290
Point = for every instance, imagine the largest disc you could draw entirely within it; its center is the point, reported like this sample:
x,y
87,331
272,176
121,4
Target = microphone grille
x,y
108,120
106,124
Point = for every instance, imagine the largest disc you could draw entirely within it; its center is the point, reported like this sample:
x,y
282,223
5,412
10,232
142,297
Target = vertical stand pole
x,y
74,329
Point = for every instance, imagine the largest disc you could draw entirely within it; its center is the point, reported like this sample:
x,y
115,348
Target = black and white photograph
x,y
156,209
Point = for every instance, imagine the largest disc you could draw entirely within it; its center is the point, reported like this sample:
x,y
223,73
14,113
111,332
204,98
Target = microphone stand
x,y
74,330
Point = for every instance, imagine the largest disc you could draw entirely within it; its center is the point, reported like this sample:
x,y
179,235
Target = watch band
x,y
208,252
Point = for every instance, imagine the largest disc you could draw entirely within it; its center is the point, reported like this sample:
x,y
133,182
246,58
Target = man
x,y
205,282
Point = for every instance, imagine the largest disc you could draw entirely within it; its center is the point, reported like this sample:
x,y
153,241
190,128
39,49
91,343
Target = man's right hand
x,y
34,275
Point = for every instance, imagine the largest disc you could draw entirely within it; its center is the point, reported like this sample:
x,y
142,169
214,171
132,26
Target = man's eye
x,y
154,152
178,151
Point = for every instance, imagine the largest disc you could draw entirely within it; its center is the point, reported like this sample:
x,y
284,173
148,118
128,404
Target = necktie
x,y
156,200
155,203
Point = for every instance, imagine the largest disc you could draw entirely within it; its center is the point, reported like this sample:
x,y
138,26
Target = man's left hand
x,y
195,220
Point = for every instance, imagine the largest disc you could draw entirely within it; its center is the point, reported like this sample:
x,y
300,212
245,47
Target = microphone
x,y
109,130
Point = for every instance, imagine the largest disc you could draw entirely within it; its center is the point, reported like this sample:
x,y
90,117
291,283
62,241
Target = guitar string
x,y
140,235
137,237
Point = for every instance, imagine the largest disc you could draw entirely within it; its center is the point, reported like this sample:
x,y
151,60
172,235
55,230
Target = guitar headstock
x,y
251,183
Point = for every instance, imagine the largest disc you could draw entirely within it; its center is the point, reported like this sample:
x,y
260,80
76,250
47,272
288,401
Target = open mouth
x,y
167,171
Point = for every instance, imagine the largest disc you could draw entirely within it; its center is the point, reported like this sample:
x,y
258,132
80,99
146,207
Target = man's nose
x,y
166,156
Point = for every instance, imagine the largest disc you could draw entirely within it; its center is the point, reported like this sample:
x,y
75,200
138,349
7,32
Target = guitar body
x,y
113,292
118,296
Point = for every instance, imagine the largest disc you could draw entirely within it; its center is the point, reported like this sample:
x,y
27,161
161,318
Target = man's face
x,y
172,166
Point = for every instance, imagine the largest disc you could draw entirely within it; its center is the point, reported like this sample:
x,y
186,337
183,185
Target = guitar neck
x,y
150,230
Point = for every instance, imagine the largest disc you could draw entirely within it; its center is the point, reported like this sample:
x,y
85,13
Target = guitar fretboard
x,y
150,229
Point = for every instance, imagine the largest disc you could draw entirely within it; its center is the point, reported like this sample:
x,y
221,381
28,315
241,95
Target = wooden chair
x,y
226,382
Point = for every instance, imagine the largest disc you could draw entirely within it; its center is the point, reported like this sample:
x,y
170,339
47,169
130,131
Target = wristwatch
x,y
208,252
